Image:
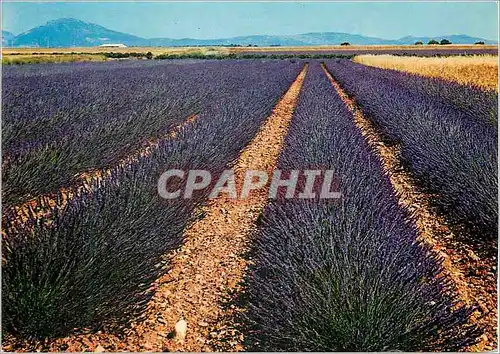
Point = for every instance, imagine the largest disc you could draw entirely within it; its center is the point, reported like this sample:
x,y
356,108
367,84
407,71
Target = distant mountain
x,y
7,38
307,39
69,32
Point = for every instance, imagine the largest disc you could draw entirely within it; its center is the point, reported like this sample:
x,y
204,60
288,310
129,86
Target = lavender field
x,y
95,259
363,50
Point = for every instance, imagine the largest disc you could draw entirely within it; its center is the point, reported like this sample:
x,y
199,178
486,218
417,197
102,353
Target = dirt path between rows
x,y
45,205
210,265
473,277
195,293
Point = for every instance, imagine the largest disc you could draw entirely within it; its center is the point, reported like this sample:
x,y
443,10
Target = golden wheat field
x,y
479,70
49,58
78,54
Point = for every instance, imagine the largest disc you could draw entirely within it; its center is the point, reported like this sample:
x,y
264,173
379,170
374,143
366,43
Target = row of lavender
x,y
56,125
424,52
472,101
348,274
92,264
451,151
19,71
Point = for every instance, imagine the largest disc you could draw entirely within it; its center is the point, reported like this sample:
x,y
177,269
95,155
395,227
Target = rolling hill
x,y
7,38
69,32
454,38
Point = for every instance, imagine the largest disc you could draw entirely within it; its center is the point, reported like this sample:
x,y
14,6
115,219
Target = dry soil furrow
x,y
472,276
206,269
44,205
93,341
210,263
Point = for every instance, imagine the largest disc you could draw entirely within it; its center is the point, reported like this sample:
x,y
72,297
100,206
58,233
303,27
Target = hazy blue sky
x,y
216,20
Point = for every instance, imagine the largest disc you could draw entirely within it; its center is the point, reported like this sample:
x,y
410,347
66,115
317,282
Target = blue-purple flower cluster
x,y
348,274
92,263
56,125
450,151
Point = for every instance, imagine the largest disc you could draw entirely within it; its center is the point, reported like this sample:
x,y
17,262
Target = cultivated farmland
x,y
481,71
403,258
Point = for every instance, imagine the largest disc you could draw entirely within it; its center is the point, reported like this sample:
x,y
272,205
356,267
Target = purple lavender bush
x,y
451,154
348,274
472,101
92,265
56,125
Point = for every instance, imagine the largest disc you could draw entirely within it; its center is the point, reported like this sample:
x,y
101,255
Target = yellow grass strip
x,y
227,50
353,48
49,58
461,265
477,70
18,56
100,50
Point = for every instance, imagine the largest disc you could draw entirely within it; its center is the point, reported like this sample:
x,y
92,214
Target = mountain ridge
x,y
70,32
7,37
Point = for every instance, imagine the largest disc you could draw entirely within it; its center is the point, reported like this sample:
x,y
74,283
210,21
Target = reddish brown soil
x,y
474,277
207,268
210,264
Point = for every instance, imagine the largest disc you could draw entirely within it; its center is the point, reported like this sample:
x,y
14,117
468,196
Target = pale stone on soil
x,y
180,330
